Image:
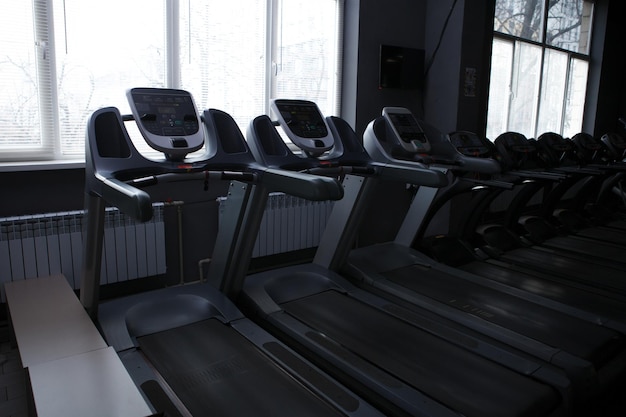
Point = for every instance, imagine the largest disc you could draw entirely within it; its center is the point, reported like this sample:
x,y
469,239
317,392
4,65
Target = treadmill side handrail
x,y
310,187
413,173
130,200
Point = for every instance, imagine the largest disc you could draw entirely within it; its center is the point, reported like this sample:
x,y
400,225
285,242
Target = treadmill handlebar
x,y
541,175
490,183
412,173
299,184
129,199
341,170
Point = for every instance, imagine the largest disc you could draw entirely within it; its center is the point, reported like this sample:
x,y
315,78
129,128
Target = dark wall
x,y
35,192
48,191
391,22
606,100
475,66
443,101
442,92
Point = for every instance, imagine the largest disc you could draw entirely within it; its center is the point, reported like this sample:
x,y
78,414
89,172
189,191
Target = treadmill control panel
x,y
587,142
516,142
407,129
167,119
556,142
469,144
304,124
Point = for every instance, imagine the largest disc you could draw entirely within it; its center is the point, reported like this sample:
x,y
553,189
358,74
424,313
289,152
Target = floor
x,y
13,401
13,397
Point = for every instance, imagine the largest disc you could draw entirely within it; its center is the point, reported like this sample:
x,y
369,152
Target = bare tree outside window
x,y
567,25
545,89
520,18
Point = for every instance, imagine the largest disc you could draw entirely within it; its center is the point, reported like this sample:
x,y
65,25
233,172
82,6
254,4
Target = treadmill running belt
x,y
608,278
460,379
217,372
585,340
562,293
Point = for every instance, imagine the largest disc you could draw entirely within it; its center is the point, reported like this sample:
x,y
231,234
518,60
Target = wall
x,y
45,191
391,22
34,192
606,100
476,36
442,92
466,42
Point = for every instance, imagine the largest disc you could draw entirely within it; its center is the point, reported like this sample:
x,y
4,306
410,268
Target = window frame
x,y
515,41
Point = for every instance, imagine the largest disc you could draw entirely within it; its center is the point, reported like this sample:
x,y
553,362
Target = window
x,y
62,59
539,66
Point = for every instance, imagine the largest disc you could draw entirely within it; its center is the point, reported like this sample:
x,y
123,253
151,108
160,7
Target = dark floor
x,y
13,401
13,397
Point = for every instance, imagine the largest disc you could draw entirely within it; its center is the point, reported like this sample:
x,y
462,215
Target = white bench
x,y
71,369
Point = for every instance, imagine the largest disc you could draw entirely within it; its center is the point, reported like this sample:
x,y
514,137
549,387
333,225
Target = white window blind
x,y
306,59
62,59
222,55
102,49
20,125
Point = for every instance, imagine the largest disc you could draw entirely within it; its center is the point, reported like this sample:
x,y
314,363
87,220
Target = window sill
x,y
41,165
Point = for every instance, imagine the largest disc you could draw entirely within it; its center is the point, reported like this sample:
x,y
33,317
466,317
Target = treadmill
x,y
555,225
406,361
568,199
538,226
603,205
590,355
188,348
592,215
589,303
509,248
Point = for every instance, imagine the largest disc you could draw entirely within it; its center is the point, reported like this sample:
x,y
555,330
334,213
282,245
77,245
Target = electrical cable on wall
x,y
443,31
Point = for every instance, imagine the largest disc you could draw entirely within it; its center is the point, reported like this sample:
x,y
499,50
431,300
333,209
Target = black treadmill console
x,y
407,129
516,142
167,119
470,144
587,142
304,124
616,144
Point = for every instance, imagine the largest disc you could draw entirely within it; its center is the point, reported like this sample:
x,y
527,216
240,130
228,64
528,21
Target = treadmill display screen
x,y
304,120
407,127
167,115
588,142
468,144
617,141
167,119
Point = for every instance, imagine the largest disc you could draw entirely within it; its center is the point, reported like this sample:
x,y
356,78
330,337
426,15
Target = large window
x,y
62,59
539,66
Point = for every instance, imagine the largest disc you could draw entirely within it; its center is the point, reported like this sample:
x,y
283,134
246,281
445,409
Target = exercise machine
x,y
188,348
406,361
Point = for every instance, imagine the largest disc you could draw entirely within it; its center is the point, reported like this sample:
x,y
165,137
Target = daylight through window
x,y
62,59
539,66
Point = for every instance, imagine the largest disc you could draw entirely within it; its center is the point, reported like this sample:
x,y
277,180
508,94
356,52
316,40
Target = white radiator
x,y
45,244
290,223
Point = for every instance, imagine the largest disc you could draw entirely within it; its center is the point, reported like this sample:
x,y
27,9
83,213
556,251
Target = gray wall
x,y
607,82
465,43
392,22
